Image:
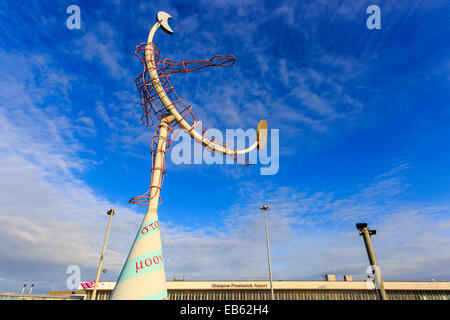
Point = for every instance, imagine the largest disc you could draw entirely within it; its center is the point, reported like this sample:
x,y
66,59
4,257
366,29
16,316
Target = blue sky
x,y
362,116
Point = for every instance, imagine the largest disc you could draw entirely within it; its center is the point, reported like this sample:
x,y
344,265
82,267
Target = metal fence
x,y
257,295
306,295
17,296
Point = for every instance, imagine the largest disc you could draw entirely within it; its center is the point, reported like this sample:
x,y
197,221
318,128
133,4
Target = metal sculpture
x,y
143,275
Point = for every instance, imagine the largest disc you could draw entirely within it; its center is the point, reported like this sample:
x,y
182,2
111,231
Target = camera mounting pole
x,y
366,233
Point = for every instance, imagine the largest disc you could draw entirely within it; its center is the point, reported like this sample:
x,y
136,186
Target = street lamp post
x,y
265,208
110,213
366,233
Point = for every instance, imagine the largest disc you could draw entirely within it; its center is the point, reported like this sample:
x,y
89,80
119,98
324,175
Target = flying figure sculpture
x,y
143,274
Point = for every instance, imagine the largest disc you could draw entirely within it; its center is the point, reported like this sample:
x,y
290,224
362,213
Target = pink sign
x,y
100,285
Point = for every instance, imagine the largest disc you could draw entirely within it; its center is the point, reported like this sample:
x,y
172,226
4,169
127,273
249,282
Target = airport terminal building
x,y
330,289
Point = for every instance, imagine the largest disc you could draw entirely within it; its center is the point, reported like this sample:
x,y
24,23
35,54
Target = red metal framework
x,y
153,107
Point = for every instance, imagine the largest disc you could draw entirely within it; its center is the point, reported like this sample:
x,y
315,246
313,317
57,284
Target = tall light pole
x,y
265,208
110,213
366,233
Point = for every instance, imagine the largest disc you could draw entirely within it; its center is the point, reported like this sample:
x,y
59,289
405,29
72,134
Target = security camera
x,y
360,226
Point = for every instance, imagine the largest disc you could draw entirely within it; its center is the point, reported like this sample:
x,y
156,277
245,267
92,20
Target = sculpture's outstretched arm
x,y
171,66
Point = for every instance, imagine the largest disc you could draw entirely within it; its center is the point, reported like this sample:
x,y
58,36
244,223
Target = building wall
x,y
296,295
297,290
305,295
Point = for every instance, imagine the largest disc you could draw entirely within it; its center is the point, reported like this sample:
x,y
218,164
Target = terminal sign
x,y
239,285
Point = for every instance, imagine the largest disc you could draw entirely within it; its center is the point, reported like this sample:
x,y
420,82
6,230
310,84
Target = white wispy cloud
x,y
100,45
49,217
50,221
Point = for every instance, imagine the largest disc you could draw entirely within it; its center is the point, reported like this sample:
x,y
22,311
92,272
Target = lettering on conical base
x,y
143,275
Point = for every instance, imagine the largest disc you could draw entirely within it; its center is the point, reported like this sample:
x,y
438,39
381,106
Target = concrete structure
x,y
330,277
289,290
348,278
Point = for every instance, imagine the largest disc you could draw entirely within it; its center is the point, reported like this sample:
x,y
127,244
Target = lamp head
x,y
363,226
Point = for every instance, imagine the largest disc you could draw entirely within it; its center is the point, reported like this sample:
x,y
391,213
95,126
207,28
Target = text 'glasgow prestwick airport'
x,y
241,285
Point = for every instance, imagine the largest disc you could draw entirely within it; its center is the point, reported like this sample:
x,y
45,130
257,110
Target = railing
x,y
18,296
